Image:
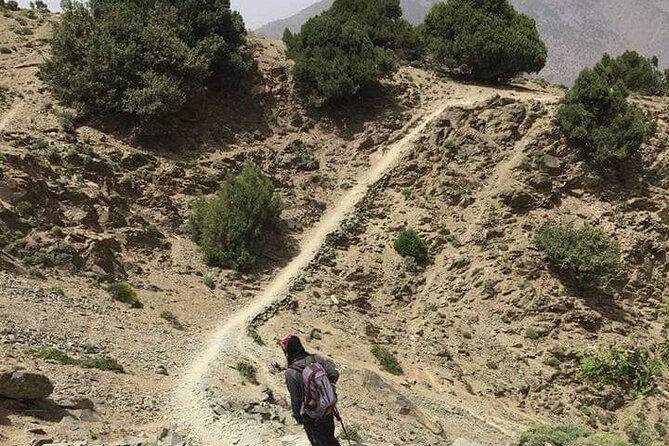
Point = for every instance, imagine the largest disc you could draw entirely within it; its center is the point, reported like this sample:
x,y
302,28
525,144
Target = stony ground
x,y
85,202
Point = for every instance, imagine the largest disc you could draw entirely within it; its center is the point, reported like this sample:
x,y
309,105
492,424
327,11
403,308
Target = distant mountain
x,y
577,32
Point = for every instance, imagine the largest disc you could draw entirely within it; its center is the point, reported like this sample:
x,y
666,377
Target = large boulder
x,y
24,385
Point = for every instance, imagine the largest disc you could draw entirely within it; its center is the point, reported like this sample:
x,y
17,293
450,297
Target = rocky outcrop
x,y
24,385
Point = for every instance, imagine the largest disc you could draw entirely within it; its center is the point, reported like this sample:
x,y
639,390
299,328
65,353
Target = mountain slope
x,y
577,32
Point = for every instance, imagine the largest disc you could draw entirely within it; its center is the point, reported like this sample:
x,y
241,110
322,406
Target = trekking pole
x,y
338,417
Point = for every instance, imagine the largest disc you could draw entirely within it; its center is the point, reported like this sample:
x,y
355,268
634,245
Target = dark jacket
x,y
294,380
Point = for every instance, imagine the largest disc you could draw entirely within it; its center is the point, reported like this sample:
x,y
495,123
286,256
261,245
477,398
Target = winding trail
x,y
190,410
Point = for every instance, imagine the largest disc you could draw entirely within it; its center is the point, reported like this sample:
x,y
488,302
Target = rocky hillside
x,y
487,336
577,33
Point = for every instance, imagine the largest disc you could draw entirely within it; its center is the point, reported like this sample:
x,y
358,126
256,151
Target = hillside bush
x,y
387,360
229,225
636,72
485,40
123,292
12,5
558,435
59,356
597,115
349,48
409,244
143,58
586,255
631,369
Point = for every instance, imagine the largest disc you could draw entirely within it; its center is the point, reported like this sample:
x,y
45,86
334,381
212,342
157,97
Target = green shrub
x,y
123,292
560,435
586,255
209,282
486,40
603,439
382,21
532,333
256,337
636,72
12,5
53,354
247,371
40,5
228,226
387,360
143,58
409,244
632,369
24,31
335,57
172,319
352,434
596,115
66,120
57,232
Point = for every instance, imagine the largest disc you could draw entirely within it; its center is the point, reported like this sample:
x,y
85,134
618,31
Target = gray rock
x,y
23,385
551,164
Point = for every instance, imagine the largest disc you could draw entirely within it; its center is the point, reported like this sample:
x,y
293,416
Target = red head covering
x,y
284,342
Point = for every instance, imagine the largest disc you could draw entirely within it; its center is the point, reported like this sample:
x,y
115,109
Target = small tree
x,y
409,244
586,255
596,114
334,61
636,72
228,226
348,49
12,5
486,40
382,21
143,58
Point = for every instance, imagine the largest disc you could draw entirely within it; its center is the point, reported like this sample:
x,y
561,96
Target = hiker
x,y
311,380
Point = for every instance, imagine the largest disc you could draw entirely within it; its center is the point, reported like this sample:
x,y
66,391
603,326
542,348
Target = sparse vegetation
x,y
409,244
488,41
209,282
123,292
57,232
352,434
172,319
532,333
596,115
247,371
106,364
66,120
632,369
586,255
387,360
637,73
144,59
228,226
57,291
559,435
256,337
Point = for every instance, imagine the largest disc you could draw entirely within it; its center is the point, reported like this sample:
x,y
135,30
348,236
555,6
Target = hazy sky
x,y
255,12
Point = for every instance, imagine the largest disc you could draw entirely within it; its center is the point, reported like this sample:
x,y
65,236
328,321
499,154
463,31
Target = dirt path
x,y
190,410
13,111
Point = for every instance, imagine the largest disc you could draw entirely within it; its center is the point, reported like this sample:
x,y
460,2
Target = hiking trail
x,y
190,410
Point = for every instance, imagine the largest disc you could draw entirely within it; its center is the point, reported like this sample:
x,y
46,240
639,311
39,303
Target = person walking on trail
x,y
311,380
